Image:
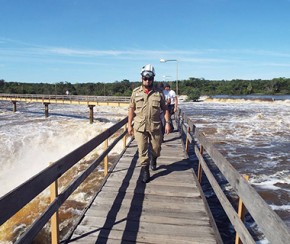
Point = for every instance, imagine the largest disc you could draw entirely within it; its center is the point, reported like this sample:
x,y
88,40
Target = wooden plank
x,y
173,201
123,212
158,177
161,190
166,172
163,164
146,228
143,238
111,195
146,205
198,217
104,222
159,181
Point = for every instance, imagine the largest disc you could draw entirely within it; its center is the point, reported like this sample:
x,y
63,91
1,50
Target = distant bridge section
x,y
90,101
68,99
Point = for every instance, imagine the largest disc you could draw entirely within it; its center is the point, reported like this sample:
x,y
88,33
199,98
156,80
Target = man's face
x,y
147,81
167,88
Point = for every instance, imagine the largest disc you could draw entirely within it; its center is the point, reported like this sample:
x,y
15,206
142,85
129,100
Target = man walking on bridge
x,y
145,105
172,101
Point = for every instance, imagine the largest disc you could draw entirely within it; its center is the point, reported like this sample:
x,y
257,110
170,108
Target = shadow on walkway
x,y
181,165
133,217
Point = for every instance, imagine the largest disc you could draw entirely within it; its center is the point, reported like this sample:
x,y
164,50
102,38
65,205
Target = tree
x,y
249,88
193,87
193,94
2,84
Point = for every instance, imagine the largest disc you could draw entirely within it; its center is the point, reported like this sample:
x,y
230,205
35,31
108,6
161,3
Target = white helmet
x,y
148,70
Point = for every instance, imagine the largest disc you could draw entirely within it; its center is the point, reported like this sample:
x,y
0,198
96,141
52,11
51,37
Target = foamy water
x,y
255,137
29,141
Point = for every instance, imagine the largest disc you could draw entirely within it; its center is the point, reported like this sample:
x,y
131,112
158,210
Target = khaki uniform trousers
x,y
144,139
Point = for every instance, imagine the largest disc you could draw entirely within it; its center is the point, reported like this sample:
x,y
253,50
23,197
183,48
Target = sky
x,y
81,41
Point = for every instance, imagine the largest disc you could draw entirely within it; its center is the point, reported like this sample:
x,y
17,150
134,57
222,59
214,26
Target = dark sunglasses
x,y
147,78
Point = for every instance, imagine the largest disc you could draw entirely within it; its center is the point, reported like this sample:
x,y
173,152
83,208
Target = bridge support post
x,y
46,109
91,107
14,106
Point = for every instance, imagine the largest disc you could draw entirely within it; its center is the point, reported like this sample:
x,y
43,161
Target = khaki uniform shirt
x,y
147,108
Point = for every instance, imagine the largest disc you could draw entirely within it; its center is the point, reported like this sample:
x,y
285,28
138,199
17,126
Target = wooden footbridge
x,y
171,208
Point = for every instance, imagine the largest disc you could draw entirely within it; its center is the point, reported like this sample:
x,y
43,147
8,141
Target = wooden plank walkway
x,y
168,209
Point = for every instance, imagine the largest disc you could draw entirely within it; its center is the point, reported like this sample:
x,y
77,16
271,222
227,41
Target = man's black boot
x,y
146,174
153,163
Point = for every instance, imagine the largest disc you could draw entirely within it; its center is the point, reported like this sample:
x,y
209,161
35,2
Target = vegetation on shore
x,y
193,87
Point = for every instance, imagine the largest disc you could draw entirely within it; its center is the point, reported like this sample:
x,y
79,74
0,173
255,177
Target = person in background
x,y
160,87
145,106
172,102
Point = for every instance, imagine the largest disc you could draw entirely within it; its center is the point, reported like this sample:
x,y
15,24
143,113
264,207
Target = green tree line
x,y
192,87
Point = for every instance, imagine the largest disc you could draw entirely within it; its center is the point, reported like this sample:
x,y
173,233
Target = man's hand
x,y
167,128
130,130
131,115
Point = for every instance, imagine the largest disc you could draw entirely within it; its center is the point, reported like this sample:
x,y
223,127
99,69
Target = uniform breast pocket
x,y
139,103
155,110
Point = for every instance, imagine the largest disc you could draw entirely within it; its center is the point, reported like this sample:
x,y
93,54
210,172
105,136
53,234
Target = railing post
x,y
187,140
106,143
125,137
241,212
54,219
178,118
181,124
199,171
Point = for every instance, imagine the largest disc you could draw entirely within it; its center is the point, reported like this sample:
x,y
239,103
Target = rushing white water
x,y
254,136
29,141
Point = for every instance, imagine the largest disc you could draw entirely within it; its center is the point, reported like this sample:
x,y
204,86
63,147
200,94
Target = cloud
x,y
18,50
277,64
80,52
